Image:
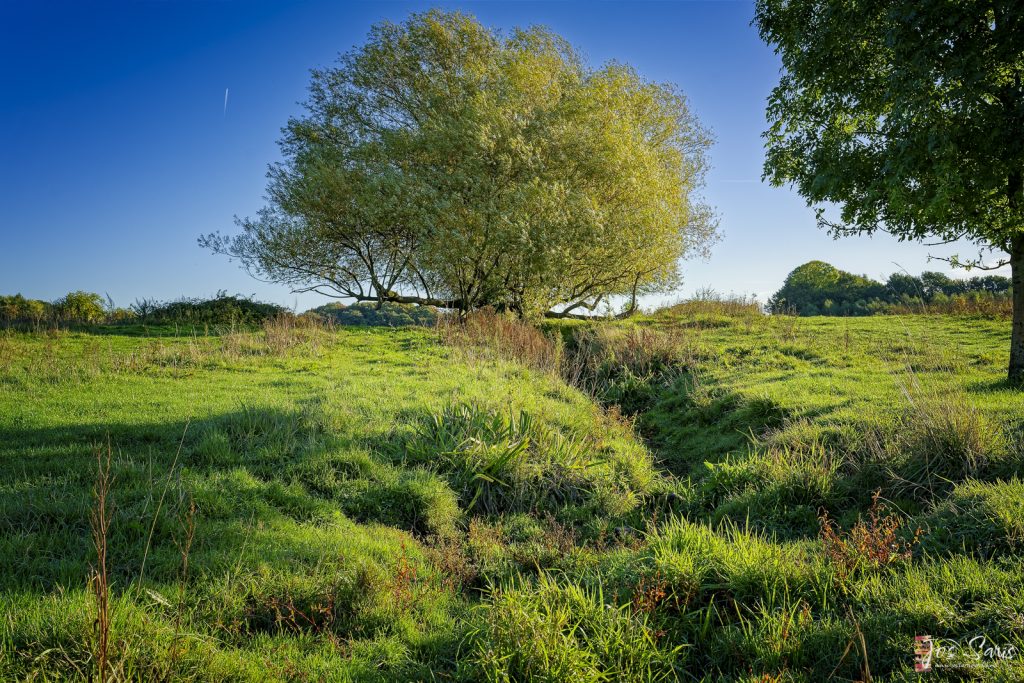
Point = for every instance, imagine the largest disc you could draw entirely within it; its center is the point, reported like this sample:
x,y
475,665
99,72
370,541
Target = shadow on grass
x,y
278,474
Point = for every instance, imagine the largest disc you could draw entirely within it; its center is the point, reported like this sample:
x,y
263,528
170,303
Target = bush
x,y
708,302
17,308
870,544
221,309
83,307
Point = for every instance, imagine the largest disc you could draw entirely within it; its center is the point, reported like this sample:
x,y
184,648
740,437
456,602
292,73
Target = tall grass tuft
x,y
939,438
707,301
626,366
618,365
500,462
489,333
512,462
561,631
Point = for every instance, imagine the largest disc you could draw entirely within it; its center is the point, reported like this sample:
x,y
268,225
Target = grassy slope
x,y
772,421
282,451
326,547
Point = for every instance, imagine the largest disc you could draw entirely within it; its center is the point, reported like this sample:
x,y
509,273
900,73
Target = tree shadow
x,y
274,473
1000,385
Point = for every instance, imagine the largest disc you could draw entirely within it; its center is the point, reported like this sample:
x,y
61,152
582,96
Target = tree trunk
x,y
1016,373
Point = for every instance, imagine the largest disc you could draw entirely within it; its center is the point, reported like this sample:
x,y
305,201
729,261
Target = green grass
x,y
373,504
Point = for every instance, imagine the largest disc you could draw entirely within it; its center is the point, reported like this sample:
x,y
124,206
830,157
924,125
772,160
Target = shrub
x,y
370,314
220,309
85,307
708,302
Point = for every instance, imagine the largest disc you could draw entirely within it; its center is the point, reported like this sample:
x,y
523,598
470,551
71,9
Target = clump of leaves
x,y
649,593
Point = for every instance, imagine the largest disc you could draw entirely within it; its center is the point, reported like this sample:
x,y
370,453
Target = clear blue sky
x,y
117,150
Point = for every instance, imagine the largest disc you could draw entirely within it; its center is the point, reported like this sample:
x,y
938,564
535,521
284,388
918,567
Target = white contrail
x,y
225,101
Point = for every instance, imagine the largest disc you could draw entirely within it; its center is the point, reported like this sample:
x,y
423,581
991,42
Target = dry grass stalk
x,y
100,522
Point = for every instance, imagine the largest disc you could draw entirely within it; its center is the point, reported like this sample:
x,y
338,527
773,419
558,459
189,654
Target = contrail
x,y
225,101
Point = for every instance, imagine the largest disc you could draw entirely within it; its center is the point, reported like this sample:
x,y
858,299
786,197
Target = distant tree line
x,y
818,288
79,307
90,308
222,309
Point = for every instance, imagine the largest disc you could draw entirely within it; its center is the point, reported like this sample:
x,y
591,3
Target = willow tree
x,y
910,116
444,163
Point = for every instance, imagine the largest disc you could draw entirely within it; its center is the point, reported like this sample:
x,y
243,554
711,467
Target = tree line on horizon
x,y
81,307
89,308
819,288
814,288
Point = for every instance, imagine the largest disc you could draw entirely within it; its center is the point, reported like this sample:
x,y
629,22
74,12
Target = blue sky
x,y
117,149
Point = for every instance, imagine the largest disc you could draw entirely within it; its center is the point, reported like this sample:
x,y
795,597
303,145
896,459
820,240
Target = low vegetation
x,y
381,314
701,493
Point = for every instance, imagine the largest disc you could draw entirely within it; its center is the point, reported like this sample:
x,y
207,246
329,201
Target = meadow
x,y
699,493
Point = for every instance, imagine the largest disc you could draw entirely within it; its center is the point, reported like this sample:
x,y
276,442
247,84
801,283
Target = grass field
x,y
685,496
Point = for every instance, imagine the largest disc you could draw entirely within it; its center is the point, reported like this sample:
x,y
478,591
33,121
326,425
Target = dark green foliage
x,y
386,315
817,288
904,117
86,307
222,309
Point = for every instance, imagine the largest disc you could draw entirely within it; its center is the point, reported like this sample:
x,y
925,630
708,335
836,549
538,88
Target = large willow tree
x,y
444,163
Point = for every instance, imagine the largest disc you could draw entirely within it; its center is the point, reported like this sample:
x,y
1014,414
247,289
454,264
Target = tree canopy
x,y
448,164
909,117
817,288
